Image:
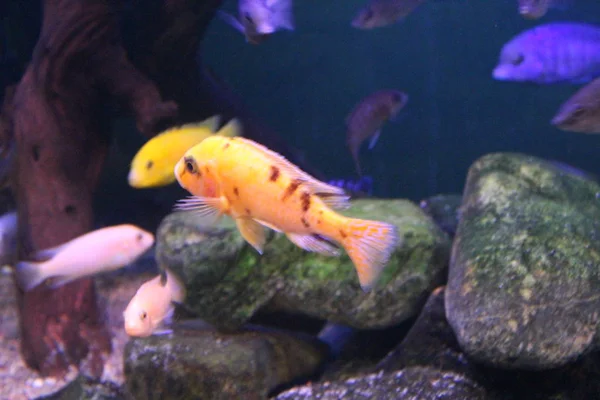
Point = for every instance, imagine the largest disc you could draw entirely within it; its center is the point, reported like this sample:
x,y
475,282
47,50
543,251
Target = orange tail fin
x,y
369,245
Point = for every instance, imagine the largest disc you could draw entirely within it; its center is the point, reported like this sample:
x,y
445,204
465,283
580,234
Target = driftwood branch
x,y
61,138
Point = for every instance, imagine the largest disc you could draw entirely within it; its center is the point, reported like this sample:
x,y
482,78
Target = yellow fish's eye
x,y
149,164
139,237
190,166
143,315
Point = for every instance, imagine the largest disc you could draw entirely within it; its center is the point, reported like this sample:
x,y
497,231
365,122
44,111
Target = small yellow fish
x,y
101,250
152,306
153,164
367,118
258,187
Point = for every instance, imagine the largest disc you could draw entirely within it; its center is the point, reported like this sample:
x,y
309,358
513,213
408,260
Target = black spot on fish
x,y
70,209
343,234
305,222
149,164
305,199
291,188
207,169
274,174
247,211
236,192
318,222
225,146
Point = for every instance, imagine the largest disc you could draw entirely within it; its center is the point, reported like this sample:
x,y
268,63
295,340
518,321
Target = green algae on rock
x,y
524,280
205,364
227,281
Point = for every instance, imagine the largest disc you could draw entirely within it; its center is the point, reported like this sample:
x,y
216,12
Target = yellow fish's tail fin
x,y
369,245
231,129
29,275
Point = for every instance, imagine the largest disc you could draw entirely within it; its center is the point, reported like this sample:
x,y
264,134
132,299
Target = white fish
x,y
152,306
101,250
259,18
551,53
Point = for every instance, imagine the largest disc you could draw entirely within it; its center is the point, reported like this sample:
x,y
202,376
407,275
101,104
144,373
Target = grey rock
x,y
429,343
524,282
206,364
444,209
228,281
411,383
84,388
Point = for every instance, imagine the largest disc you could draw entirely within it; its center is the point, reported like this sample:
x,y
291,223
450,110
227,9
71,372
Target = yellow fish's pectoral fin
x,y
333,196
313,243
205,207
231,129
369,245
253,232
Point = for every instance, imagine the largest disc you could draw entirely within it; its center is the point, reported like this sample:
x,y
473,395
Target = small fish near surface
x,y
259,188
98,251
153,164
257,19
367,118
152,307
551,53
379,13
535,9
581,112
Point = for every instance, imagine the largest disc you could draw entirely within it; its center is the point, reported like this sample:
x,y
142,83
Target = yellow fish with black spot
x,y
259,188
153,164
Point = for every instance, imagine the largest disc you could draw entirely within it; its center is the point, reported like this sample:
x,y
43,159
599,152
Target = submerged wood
x,y
59,125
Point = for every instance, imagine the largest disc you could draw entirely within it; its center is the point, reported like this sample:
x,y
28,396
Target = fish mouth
x,y
134,179
501,73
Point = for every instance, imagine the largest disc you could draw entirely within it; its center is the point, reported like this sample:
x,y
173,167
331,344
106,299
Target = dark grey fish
x,y
581,113
367,118
378,13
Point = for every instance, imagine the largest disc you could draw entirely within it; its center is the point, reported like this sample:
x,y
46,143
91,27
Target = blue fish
x,y
362,187
551,53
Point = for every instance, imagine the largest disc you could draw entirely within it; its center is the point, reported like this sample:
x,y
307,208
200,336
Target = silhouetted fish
x,y
581,113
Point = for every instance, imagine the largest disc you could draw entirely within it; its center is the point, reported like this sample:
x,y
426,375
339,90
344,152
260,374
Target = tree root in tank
x,y
61,140
57,123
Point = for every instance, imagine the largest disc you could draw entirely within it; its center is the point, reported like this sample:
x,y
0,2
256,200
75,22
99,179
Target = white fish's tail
x,y
369,245
29,275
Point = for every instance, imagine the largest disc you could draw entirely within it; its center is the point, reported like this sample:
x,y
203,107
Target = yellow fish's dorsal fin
x,y
231,129
211,124
333,196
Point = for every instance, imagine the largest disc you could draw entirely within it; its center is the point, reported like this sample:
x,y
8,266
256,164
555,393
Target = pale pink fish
x,y
152,306
534,9
98,251
257,19
378,13
367,118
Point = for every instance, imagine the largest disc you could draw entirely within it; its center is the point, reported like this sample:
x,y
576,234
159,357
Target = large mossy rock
x,y
227,281
205,364
524,279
